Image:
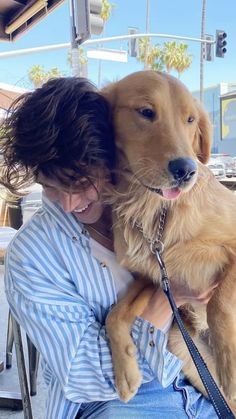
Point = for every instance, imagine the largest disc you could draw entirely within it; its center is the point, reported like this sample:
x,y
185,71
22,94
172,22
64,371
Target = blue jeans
x,y
178,401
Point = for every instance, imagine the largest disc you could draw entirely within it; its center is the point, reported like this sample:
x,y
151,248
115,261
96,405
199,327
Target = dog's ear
x,y
202,141
109,92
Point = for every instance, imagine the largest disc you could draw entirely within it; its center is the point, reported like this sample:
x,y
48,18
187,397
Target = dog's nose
x,y
182,169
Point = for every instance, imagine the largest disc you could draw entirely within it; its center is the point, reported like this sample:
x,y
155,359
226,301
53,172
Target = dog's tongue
x,y
171,193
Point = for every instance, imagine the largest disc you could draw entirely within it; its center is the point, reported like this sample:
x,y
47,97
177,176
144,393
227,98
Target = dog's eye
x,y
190,119
146,113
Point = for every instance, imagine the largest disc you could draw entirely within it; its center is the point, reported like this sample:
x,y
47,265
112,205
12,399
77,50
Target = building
x,y
8,93
216,101
18,16
228,121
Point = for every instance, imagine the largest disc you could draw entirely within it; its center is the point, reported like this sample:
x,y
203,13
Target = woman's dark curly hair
x,y
62,130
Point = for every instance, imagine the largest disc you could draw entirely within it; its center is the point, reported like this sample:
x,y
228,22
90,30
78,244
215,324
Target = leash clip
x,y
164,277
157,246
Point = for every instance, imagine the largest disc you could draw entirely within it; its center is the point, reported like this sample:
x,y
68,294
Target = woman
x,y
61,273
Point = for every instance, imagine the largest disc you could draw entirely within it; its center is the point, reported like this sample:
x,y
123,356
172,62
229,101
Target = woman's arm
x,y
68,333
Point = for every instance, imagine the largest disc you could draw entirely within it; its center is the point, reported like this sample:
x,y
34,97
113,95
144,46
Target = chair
x,y
22,370
17,211
33,355
7,399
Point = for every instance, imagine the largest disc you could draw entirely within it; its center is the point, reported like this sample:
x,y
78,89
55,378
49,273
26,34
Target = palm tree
x,y
38,75
147,50
150,55
106,11
82,61
176,57
169,55
183,59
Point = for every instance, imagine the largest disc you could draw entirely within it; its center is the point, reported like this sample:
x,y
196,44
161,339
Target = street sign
x,y
108,54
209,48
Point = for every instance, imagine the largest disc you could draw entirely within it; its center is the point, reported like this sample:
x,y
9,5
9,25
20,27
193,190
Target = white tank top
x,y
121,277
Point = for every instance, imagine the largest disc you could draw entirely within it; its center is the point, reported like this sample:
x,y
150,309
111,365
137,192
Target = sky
x,y
172,17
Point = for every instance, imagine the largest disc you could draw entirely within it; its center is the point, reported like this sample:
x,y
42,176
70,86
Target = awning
x,y
18,16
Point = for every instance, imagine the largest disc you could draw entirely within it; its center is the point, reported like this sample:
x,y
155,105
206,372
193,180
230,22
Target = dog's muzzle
x,y
182,169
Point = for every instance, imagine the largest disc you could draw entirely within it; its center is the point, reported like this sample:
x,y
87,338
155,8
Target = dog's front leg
x,y
118,325
222,324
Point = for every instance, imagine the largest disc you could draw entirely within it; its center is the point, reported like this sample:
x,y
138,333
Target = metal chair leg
x,y
1,366
21,370
9,345
33,366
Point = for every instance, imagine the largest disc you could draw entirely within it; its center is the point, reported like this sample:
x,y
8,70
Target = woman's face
x,y
83,203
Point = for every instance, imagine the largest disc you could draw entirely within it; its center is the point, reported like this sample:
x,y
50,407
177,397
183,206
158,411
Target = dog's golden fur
x,y
156,121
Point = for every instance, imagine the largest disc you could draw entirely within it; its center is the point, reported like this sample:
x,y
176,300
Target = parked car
x,y
217,168
229,163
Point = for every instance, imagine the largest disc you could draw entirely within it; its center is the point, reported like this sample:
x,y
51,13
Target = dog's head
x,y
161,131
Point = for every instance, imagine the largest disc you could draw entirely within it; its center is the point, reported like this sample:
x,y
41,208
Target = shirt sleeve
x,y
73,343
152,345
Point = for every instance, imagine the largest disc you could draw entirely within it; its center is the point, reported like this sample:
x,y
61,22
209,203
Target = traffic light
x,y
87,19
221,43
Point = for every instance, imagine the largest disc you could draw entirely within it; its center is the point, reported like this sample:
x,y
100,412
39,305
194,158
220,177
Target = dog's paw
x,y
128,378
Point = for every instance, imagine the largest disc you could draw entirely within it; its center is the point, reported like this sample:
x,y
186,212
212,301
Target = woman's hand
x,y
184,295
158,310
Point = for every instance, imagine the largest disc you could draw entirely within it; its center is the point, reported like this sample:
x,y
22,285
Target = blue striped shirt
x,y
61,294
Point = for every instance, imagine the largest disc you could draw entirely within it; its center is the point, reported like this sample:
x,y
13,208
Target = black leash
x,y
220,405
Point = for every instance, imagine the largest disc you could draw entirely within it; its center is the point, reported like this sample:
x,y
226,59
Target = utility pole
x,y
203,49
74,45
147,31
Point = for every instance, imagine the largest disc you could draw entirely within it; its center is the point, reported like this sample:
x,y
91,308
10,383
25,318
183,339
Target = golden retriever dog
x,y
163,139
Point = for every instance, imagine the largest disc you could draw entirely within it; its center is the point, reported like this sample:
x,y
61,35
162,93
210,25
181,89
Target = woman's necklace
x,y
101,231
103,237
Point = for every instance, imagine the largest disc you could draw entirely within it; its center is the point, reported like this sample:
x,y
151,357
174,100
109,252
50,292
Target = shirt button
x,y
152,343
103,264
151,329
74,238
